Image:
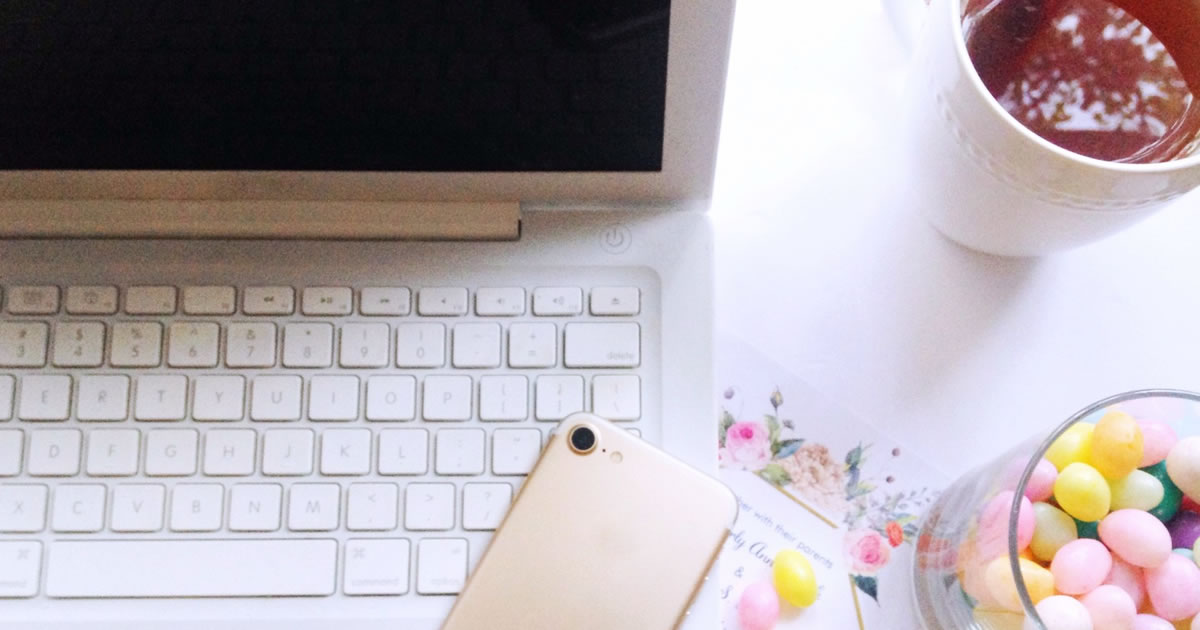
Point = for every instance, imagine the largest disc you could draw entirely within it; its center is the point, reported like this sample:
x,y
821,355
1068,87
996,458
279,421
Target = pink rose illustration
x,y
748,446
867,551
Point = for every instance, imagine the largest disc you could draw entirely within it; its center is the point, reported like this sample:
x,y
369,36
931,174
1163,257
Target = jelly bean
x,y
1172,495
992,537
758,609
1174,588
794,578
1059,612
1196,551
1185,529
1151,622
1081,566
1039,582
1189,504
1186,553
1117,445
1136,537
1157,440
1183,465
1087,529
1082,492
1110,608
1053,529
1138,490
1040,485
1130,579
1074,445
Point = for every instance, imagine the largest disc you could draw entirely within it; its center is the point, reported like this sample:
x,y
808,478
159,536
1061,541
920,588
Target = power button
x,y
616,238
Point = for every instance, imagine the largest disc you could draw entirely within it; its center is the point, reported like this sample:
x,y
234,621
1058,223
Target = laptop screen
x,y
333,85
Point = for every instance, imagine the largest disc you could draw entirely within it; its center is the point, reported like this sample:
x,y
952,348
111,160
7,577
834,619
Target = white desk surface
x,y
957,354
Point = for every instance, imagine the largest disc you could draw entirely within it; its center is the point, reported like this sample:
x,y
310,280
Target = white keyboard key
x,y
308,345
136,344
229,452
515,451
8,387
161,397
476,346
391,398
171,452
385,301
23,344
558,396
22,508
617,397
54,453
92,300
113,452
21,568
275,398
375,567
420,345
532,345
103,398
346,452
333,398
441,566
287,452
31,300
484,505
255,507
78,508
219,398
314,507
192,568
197,507
12,441
327,301
364,345
557,301
459,451
503,398
372,507
447,398
45,397
209,300
403,451
78,344
138,507
150,300
193,344
442,301
268,301
602,345
429,506
616,301
250,345
500,302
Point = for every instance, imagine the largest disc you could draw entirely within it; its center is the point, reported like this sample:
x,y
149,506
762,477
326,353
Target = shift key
x,y
602,345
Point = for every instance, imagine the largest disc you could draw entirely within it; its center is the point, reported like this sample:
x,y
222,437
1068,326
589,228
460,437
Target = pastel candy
x,y
1117,445
1186,553
1172,495
992,538
1001,583
794,578
1060,612
758,608
1157,440
1087,529
1185,529
1110,608
1136,537
1151,622
1040,485
1053,529
1174,588
1082,492
1183,465
1074,445
1139,490
1129,579
1081,566
1196,549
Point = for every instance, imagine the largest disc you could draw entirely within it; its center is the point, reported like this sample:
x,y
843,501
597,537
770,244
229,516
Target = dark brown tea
x,y
1118,81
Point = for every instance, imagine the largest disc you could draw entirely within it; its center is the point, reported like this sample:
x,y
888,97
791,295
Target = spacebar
x,y
191,568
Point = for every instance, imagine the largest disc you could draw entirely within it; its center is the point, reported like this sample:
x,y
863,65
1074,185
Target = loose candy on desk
x,y
1174,588
1136,537
1081,566
992,537
1157,440
794,578
1129,579
1139,490
1054,528
1183,465
1185,529
758,608
1060,612
1073,446
1110,608
1002,584
1117,445
1172,495
1082,492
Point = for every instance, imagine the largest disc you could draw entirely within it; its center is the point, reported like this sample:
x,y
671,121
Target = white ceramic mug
x,y
993,185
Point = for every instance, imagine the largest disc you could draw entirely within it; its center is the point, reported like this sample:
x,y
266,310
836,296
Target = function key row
x,y
321,301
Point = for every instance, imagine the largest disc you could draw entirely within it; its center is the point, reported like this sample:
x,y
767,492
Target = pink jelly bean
x,y
1059,612
1157,440
1129,578
1151,622
1080,566
992,538
1041,483
758,608
1174,588
1111,608
1136,537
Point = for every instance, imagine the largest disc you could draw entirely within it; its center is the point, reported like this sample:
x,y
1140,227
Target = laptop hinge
x,y
415,220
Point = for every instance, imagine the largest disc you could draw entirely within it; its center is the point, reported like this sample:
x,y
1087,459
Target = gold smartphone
x,y
608,533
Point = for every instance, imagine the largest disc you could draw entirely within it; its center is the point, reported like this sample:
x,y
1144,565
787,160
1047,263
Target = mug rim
x,y
1150,168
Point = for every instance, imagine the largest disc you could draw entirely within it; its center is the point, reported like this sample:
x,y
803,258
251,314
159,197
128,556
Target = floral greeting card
x,y
813,478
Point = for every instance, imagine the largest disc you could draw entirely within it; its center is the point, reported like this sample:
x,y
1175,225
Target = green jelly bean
x,y
1172,495
1088,529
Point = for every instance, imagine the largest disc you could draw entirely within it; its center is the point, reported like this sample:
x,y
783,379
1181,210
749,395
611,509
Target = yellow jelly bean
x,y
1139,490
1082,492
1074,445
1039,582
794,578
1053,529
1117,445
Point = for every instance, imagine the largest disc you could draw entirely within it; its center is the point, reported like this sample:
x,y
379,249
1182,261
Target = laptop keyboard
x,y
213,441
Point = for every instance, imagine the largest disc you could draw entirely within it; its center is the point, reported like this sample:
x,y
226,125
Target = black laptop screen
x,y
333,85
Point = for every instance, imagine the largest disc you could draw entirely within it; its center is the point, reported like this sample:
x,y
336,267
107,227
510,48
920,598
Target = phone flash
x,y
616,457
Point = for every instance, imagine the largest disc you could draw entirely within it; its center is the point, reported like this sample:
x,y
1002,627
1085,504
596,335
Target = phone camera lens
x,y
583,440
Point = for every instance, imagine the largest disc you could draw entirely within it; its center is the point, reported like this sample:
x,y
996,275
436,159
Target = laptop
x,y
293,291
